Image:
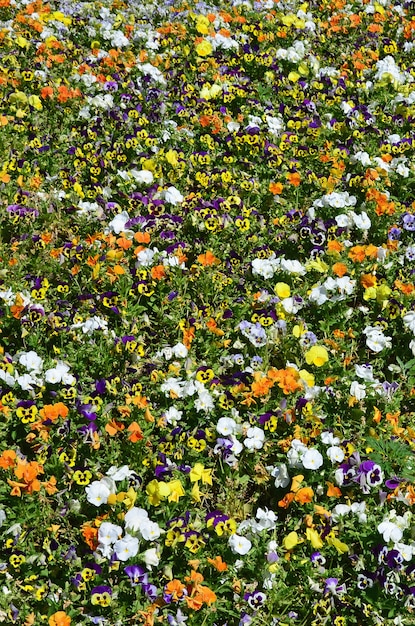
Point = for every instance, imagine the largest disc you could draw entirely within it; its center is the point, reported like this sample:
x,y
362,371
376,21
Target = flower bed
x,y
207,322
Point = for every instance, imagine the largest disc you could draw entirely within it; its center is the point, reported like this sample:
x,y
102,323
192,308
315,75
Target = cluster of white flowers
x,y
179,388
142,177
336,200
387,69
294,53
172,415
153,72
101,101
393,526
255,438
179,351
300,456
267,267
341,510
265,519
89,209
60,374
342,287
226,43
92,324
358,389
350,219
228,428
33,365
334,452
275,125
375,339
138,526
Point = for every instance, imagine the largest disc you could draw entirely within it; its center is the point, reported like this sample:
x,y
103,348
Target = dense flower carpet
x,y
207,320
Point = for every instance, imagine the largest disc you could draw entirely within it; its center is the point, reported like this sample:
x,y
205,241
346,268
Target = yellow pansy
x,y
198,472
35,102
317,355
175,490
317,264
307,377
314,537
196,495
202,25
282,290
291,541
336,543
204,48
293,77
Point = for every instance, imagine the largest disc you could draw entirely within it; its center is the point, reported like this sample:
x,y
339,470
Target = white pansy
x,y
58,374
280,473
8,296
267,519
296,453
31,361
318,295
359,509
390,531
335,454
340,510
357,390
407,551
145,257
150,531
204,402
239,545
293,267
402,170
135,518
126,548
91,325
117,224
255,438
361,221
393,526
291,305
97,493
375,339
151,558
180,351
172,415
26,382
7,378
362,157
409,320
344,221
150,70
364,371
142,176
312,459
226,426
173,196
265,267
237,446
109,533
119,473
233,127
329,439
